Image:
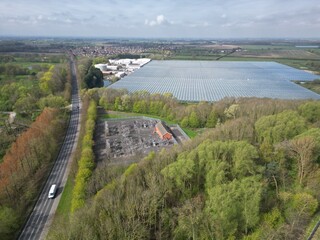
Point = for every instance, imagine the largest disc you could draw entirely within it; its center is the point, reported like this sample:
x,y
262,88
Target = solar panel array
x,y
213,80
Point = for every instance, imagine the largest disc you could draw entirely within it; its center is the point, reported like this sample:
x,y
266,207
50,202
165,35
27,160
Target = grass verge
x,y
65,201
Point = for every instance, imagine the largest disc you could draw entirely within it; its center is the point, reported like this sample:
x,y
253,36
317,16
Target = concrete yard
x,y
123,141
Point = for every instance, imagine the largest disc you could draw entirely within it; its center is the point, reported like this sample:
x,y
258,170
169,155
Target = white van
x,y
53,190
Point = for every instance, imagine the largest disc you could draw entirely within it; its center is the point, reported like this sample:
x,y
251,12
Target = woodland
x,y
36,87
252,174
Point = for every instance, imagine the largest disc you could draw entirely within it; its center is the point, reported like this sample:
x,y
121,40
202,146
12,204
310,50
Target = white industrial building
x,y
121,67
102,66
127,62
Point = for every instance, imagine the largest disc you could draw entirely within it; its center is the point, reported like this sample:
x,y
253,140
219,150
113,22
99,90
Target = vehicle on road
x,y
53,190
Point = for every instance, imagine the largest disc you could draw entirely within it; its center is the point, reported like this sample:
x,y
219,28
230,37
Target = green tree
x,y
311,111
44,82
117,104
212,120
52,101
94,78
222,205
250,199
194,120
185,122
8,222
279,127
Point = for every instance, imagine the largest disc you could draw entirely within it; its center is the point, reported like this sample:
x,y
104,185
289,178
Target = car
x,y
52,191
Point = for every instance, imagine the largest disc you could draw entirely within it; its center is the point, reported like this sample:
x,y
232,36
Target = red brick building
x,y
163,131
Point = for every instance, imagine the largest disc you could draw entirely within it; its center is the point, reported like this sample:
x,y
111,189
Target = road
x,y
37,225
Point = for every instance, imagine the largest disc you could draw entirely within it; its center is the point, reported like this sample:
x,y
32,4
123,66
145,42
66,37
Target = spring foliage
x,y
254,176
86,162
25,165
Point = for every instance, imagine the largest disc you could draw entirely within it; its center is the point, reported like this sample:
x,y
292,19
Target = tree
x,y
232,111
299,208
311,111
94,78
194,120
44,81
212,120
303,149
117,104
222,205
191,220
185,122
279,127
52,101
8,222
250,198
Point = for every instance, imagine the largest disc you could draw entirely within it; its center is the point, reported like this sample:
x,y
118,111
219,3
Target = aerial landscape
x,y
160,119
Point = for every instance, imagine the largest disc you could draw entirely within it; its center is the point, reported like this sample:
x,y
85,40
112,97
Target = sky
x,y
161,18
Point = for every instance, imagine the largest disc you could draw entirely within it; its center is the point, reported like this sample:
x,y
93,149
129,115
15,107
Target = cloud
x,y
160,20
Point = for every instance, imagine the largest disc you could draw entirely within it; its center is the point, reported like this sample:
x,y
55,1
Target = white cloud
x,y
160,20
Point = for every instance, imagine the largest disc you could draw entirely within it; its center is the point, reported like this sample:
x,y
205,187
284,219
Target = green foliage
x,y
212,120
298,209
310,111
44,81
86,162
222,206
279,127
94,78
52,101
194,120
181,172
25,167
217,186
100,60
185,122
8,222
130,170
9,95
304,204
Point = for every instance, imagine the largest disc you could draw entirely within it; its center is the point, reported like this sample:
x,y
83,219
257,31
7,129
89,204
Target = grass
x,y
65,201
191,133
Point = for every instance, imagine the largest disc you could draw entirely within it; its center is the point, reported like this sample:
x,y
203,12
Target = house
x,y
163,131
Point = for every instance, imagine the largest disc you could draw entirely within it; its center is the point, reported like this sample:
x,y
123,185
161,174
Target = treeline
x,y
14,69
25,167
86,161
254,176
203,114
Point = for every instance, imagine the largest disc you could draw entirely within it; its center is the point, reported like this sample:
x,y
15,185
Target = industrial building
x,y
163,131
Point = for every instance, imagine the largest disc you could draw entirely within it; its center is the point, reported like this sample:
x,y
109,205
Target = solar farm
x,y
213,80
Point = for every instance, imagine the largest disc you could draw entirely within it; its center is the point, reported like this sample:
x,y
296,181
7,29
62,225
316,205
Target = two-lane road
x,y
41,217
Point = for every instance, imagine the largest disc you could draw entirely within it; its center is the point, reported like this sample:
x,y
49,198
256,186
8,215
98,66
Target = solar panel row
x,y
212,81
